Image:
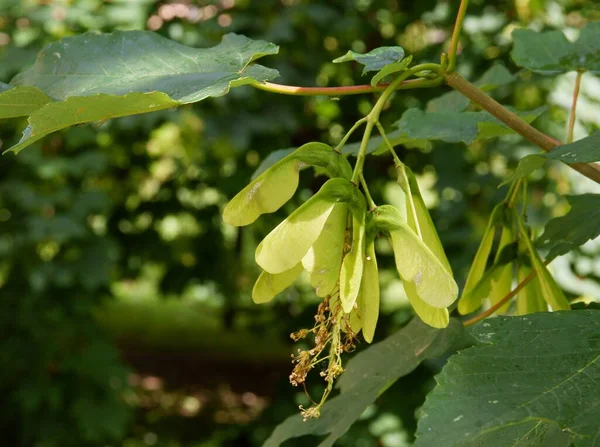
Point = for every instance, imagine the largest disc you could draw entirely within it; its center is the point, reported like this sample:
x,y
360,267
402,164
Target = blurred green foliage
x,y
125,311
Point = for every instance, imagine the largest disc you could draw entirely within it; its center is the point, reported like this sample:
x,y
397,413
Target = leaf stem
x,y
341,91
574,106
370,201
373,116
388,143
460,16
454,80
504,300
512,193
500,303
349,133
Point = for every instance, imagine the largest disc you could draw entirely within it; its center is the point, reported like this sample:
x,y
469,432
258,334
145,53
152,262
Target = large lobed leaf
x,y
366,375
530,381
551,53
95,77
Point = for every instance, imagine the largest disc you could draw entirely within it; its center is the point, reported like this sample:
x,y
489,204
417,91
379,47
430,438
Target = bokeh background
x,y
125,310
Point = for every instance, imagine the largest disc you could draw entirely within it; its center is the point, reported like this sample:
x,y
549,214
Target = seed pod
x,y
551,292
352,265
268,285
274,187
470,302
433,316
418,216
530,298
415,262
366,313
289,242
324,259
502,282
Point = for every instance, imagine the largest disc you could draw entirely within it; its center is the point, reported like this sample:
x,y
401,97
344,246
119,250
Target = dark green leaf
x,y
370,371
527,378
454,127
526,166
454,101
550,52
101,76
391,69
579,225
586,150
377,145
375,59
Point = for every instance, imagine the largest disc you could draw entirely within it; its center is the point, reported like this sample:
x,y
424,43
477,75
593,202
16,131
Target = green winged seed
x,y
470,302
530,298
276,185
366,313
551,292
265,194
352,266
324,259
268,285
415,262
418,216
289,242
502,283
433,316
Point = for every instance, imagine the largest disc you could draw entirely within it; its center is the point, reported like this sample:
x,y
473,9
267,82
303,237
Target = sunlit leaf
x,y
529,381
375,59
550,52
20,101
268,285
366,374
580,224
324,259
95,77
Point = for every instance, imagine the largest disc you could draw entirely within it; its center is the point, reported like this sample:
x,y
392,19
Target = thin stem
x,y
462,10
341,91
388,142
454,80
512,194
349,133
574,106
373,116
362,152
500,303
370,201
